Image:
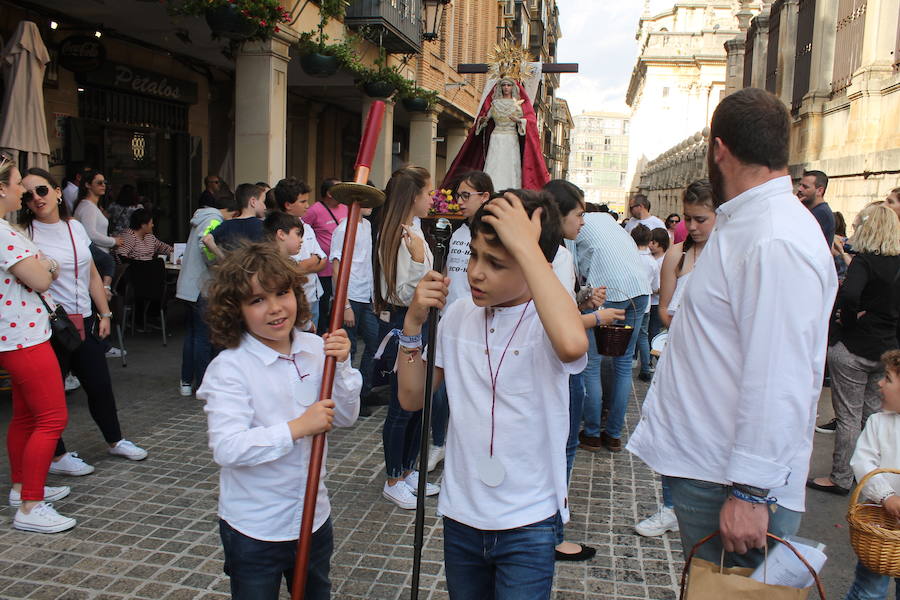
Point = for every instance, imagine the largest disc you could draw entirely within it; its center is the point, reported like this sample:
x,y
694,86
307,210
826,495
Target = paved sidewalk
x,y
148,529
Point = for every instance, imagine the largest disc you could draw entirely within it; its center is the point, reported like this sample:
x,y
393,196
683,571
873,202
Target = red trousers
x,y
39,415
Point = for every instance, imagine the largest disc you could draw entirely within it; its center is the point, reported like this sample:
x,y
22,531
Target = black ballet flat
x,y
586,553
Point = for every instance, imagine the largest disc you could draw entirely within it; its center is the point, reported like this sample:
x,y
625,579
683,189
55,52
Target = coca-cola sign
x,y
81,53
130,79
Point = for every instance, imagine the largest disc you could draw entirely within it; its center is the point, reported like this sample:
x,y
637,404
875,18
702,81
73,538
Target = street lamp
x,y
434,10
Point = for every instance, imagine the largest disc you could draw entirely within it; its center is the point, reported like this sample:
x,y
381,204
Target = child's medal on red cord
x,y
491,471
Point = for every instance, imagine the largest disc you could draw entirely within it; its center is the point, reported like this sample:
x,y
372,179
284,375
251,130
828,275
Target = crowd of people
x,y
741,279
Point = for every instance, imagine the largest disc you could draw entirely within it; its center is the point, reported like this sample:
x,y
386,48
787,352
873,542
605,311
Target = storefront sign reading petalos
x,y
140,81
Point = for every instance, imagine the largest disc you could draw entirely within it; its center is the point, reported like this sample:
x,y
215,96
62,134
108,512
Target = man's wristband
x,y
105,315
752,499
751,490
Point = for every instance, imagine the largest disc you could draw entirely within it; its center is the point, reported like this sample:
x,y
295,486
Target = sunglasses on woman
x,y
41,190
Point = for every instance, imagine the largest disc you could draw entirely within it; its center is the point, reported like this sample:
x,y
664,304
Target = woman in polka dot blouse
x,y
39,402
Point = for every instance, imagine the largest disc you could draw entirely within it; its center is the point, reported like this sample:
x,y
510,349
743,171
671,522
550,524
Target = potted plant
x,y
417,99
319,59
382,81
241,20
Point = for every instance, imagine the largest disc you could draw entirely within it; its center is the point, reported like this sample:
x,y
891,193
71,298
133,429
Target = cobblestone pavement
x,y
148,529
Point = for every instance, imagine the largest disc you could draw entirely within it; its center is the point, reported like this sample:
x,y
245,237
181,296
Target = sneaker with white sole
x,y
412,480
71,383
42,519
114,352
128,450
70,464
400,495
186,389
51,494
435,456
662,521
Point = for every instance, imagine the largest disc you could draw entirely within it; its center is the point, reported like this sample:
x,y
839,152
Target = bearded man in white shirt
x,y
729,417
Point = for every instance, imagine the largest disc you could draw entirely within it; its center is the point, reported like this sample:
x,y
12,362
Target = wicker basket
x,y
612,340
874,534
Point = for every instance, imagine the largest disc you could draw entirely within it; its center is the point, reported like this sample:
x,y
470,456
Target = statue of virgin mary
x,y
504,142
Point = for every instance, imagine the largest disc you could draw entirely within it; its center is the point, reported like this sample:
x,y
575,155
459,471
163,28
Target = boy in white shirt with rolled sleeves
x,y
261,403
505,353
878,447
359,316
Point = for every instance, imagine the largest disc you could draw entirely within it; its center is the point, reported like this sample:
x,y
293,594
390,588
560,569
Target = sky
x,y
599,35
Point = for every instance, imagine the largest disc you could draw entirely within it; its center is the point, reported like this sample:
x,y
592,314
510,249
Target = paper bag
x,y
708,581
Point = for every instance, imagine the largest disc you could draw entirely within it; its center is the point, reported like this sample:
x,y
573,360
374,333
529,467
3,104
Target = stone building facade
x,y
836,66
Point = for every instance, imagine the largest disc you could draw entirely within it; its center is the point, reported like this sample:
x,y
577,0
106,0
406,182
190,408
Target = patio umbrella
x,y
23,123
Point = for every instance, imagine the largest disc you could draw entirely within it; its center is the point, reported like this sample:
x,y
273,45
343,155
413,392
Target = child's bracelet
x,y
410,352
409,341
597,318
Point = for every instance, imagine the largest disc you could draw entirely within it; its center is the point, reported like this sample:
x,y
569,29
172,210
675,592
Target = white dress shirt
x,y
70,195
360,285
458,264
310,247
531,416
878,448
251,394
735,393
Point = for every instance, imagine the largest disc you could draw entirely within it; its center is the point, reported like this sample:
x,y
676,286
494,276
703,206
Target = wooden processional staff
x,y
356,195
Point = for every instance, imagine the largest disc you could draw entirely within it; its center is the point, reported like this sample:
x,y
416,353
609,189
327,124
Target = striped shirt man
x,y
607,256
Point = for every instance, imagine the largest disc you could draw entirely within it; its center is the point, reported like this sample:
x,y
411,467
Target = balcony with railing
x,y
397,23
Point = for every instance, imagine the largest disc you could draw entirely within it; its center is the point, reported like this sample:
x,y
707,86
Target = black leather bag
x,y
64,336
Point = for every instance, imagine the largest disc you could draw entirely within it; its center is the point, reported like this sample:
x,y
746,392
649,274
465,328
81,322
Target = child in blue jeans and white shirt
x,y
260,396
506,353
878,447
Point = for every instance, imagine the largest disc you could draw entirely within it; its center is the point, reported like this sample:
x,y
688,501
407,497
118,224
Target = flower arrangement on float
x,y
442,203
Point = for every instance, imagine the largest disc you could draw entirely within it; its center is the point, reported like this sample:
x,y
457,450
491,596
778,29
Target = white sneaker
x,y
400,495
664,520
42,519
70,465
412,480
186,389
51,494
435,455
114,352
71,383
128,450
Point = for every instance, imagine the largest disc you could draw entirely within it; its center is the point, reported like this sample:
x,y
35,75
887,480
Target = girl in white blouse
x,y
402,258
87,210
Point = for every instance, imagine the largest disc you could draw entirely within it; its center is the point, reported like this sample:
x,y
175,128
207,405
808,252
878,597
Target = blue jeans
x,y
314,314
697,507
621,391
256,567
667,493
576,402
440,415
655,325
617,399
197,351
643,344
402,430
510,564
871,586
367,327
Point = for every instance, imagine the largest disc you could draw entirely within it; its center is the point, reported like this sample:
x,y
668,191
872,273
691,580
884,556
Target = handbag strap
x,y
75,253
687,563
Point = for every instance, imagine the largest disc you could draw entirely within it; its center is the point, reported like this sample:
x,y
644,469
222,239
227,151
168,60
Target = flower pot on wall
x,y
379,89
319,65
415,104
228,22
